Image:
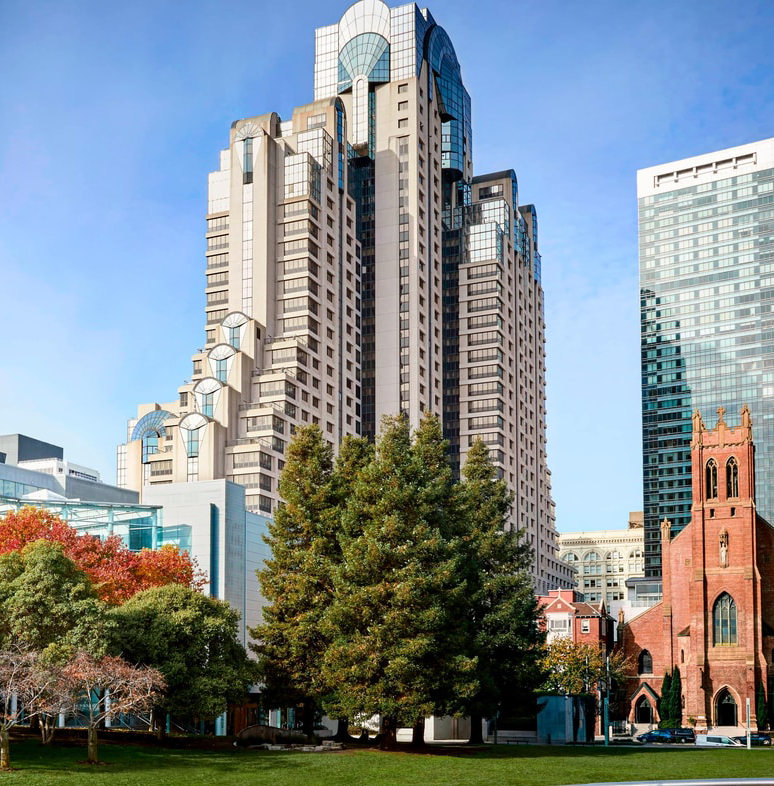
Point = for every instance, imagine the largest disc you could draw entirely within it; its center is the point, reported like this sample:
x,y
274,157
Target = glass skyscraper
x,y
706,233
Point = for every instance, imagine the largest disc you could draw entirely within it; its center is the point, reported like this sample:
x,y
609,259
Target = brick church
x,y
716,620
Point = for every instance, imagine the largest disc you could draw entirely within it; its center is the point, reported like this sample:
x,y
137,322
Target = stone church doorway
x,y
725,709
643,711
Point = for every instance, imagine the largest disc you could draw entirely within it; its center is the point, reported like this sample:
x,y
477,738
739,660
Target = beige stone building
x,y
606,561
357,267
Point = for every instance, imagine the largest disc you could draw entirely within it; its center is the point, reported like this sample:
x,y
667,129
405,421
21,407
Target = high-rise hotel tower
x,y
356,267
707,314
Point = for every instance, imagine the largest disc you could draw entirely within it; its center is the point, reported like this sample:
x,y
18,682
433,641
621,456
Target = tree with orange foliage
x,y
116,572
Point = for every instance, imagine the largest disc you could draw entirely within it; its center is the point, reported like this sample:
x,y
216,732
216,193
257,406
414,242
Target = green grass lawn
x,y
493,766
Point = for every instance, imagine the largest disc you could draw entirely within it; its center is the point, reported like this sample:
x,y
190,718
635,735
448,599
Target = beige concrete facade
x,y
356,268
605,560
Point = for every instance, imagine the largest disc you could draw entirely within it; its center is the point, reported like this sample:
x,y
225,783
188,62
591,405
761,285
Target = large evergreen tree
x,y
761,711
501,616
297,580
676,699
396,640
665,703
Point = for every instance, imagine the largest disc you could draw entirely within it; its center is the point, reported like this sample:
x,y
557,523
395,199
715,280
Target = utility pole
x,y
607,700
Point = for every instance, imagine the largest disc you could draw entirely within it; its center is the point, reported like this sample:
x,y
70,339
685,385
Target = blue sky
x,y
111,116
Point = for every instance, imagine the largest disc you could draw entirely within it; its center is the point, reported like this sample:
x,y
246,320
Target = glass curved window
x,y
367,54
712,479
150,428
732,478
724,620
570,556
645,663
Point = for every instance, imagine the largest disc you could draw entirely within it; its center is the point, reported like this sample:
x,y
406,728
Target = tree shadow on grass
x,y
31,756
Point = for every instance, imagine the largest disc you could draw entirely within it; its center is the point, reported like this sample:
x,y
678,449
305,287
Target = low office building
x,y
606,562
208,519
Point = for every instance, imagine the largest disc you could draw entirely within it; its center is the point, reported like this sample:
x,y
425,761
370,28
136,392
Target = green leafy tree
x,y
192,640
761,712
297,580
397,648
49,603
502,613
578,667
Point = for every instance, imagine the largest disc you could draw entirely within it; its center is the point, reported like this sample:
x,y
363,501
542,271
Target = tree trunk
x,y
476,732
307,718
418,734
342,731
47,725
389,740
5,749
92,755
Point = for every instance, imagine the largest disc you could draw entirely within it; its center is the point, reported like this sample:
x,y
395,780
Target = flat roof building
x,y
356,267
706,231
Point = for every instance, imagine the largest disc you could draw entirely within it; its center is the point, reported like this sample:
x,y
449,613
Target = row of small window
x,y
593,556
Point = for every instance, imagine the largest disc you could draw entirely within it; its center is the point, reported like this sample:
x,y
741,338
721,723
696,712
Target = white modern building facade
x,y
356,267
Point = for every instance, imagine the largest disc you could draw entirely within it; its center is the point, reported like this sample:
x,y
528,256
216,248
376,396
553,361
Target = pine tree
x,y
761,712
665,704
297,580
503,634
397,648
676,699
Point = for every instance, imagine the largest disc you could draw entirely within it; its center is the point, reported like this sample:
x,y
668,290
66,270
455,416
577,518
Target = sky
x,y
113,114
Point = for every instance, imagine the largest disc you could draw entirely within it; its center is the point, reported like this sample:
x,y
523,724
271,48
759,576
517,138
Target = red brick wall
x,y
679,631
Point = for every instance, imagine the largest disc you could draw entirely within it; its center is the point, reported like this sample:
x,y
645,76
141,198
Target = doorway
x,y
643,711
725,709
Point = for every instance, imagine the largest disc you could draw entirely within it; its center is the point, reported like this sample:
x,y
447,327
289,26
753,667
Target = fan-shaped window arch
x,y
206,395
724,620
150,428
221,357
645,663
732,478
570,556
712,479
234,327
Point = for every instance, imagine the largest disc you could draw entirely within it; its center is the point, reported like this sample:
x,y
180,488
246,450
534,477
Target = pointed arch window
x,y
724,620
712,479
732,478
645,663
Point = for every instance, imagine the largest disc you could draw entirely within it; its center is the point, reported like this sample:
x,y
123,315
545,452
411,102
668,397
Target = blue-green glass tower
x,y
706,231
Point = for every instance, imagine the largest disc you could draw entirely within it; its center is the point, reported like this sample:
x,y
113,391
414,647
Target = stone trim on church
x,y
716,620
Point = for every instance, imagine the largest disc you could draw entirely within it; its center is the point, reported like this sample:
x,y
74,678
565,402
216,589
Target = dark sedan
x,y
756,738
657,735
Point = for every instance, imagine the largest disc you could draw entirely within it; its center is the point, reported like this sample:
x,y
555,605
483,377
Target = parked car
x,y
657,735
756,738
717,741
687,736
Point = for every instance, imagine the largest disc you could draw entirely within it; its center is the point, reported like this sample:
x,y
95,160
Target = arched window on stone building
x,y
732,478
712,479
724,620
645,663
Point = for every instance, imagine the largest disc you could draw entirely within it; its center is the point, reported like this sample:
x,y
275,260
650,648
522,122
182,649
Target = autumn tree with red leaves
x,y
116,572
